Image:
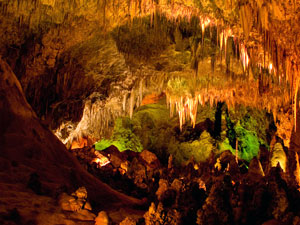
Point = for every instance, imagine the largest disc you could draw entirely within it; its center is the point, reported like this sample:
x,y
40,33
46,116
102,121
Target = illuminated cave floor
x,y
219,191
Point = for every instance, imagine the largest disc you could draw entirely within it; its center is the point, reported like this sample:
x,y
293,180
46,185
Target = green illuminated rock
x,y
123,138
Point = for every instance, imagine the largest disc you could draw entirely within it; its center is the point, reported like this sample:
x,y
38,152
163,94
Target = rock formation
x,y
149,112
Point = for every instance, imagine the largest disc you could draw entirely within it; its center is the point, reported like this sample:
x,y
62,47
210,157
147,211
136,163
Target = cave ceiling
x,y
100,58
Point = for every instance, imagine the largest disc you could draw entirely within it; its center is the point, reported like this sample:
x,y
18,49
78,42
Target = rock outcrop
x,y
34,156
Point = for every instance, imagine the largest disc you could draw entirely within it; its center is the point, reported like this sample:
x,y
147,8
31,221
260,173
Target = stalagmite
x,y
278,156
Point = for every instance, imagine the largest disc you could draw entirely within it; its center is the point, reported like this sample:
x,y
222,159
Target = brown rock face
x,y
35,158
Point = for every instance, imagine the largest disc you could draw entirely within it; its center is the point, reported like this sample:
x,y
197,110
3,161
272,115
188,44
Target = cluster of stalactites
x,y
286,72
102,10
97,121
239,44
279,53
291,72
284,66
244,56
186,107
274,58
133,98
99,115
171,10
240,92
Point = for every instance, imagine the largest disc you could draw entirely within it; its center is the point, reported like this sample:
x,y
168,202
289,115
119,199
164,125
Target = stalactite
x,y
124,102
131,103
244,56
104,12
204,22
221,41
140,92
217,35
295,101
226,33
246,19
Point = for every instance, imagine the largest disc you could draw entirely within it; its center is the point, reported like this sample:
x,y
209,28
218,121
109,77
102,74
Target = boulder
x,y
158,215
138,173
102,218
76,202
150,161
153,216
115,160
149,157
163,187
176,185
80,193
124,167
69,203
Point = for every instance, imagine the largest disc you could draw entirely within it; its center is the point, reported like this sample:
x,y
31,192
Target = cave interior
x,y
149,112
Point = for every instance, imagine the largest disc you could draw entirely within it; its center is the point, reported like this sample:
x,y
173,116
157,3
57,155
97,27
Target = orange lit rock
x,y
176,185
69,203
88,206
124,167
101,160
80,143
102,218
163,187
80,193
149,157
151,98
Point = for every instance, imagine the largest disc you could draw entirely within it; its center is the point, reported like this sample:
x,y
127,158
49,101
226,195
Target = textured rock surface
x,y
62,52
34,156
83,63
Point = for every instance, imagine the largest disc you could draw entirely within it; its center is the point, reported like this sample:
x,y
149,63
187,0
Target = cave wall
x,y
61,51
30,149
